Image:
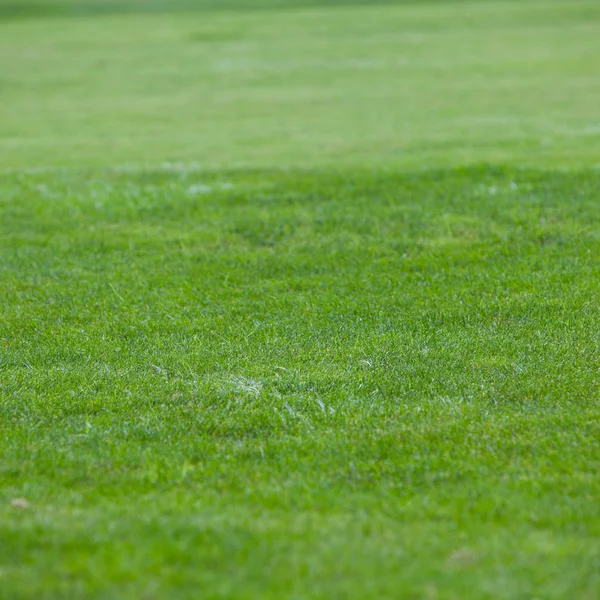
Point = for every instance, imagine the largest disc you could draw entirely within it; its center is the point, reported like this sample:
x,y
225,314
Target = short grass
x,y
279,336
409,84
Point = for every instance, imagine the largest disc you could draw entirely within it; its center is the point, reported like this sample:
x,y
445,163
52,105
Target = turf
x,y
414,85
243,362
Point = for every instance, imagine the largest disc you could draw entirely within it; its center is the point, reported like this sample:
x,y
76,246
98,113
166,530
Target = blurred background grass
x,y
404,84
12,9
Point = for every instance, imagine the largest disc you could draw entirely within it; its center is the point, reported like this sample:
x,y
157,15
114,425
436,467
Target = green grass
x,y
26,9
414,85
300,303
307,385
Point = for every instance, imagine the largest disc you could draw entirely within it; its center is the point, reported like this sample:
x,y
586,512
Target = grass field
x,y
413,85
299,300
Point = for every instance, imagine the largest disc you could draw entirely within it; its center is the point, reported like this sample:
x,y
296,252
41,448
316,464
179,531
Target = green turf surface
x,y
413,86
268,329
310,384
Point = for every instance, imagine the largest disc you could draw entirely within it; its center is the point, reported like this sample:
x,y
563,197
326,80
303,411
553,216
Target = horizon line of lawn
x,y
40,9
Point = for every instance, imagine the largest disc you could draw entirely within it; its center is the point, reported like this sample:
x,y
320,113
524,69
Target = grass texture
x,y
302,385
410,85
270,327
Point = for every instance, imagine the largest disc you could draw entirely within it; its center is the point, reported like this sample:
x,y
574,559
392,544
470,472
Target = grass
x,y
277,331
412,86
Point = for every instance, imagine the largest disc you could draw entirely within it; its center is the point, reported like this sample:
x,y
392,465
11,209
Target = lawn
x,y
415,85
299,301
